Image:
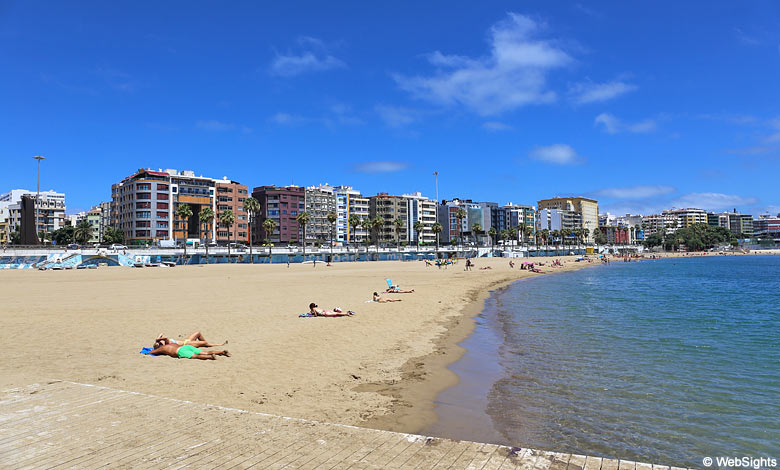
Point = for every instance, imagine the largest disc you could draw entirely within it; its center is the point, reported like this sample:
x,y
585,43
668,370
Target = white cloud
x,y
514,73
213,125
713,201
380,167
496,126
775,137
589,92
613,125
396,116
286,118
559,154
314,56
634,192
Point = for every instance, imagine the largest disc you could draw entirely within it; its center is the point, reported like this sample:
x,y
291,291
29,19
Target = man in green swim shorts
x,y
187,352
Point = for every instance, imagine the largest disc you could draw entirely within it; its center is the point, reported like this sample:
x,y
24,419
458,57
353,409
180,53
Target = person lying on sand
x,y
186,351
318,312
485,268
395,290
379,299
196,340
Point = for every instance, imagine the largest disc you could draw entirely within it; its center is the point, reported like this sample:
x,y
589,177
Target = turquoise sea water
x,y
664,361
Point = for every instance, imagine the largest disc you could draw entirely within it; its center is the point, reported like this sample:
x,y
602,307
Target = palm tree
x,y
332,218
545,237
377,223
303,219
366,224
418,228
460,214
269,225
398,223
476,228
436,228
512,233
585,235
82,233
251,206
354,222
578,234
504,234
227,219
492,234
206,217
555,234
521,229
184,213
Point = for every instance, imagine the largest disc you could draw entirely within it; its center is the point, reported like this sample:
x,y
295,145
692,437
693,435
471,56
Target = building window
x,y
162,215
162,233
143,187
143,223
162,187
143,205
273,212
162,205
144,196
162,196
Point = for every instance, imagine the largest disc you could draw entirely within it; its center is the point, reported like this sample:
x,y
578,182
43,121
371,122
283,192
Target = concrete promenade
x,y
62,424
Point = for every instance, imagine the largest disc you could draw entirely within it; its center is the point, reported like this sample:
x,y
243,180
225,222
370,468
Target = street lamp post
x,y
38,191
436,179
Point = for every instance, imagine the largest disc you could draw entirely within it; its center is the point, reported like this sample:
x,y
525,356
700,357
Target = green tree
x,y
504,234
460,214
206,218
303,220
83,232
251,206
418,229
63,235
398,224
227,219
377,223
585,234
332,218
512,231
269,225
367,224
354,222
436,228
492,232
599,237
16,237
476,229
184,213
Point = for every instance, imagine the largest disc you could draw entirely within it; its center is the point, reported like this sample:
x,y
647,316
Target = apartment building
x,y
5,230
50,209
319,202
587,209
389,208
230,195
688,216
452,228
144,205
349,202
282,204
765,226
421,209
663,223
558,219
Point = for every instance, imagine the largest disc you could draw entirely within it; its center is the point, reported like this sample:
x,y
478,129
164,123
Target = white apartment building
x,y
50,209
422,209
348,202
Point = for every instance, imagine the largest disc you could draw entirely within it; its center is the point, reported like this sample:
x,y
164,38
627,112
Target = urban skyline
x,y
675,110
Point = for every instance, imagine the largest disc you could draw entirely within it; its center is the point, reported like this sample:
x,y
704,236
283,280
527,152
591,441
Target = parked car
x,y
73,246
116,246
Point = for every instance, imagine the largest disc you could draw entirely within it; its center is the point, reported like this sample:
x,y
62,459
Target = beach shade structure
x,y
390,284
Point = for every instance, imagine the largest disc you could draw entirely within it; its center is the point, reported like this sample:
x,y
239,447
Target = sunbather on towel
x,y
318,312
196,340
379,299
396,290
186,351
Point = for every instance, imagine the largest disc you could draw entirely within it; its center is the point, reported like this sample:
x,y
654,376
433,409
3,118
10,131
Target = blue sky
x,y
642,106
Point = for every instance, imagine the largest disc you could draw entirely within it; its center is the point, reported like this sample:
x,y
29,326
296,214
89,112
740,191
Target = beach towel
x,y
146,351
306,315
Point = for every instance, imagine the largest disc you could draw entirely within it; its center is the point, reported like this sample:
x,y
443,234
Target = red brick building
x,y
231,195
282,205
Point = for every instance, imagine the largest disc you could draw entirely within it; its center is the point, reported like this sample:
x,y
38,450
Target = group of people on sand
x,y
188,348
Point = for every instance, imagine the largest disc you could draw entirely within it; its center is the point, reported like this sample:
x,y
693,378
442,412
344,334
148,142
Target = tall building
x,y
319,202
389,208
765,226
452,228
688,216
282,204
420,209
5,219
349,202
231,196
558,219
144,206
50,209
587,209
663,223
522,215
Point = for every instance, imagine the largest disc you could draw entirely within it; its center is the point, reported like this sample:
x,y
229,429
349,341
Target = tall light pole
x,y
38,192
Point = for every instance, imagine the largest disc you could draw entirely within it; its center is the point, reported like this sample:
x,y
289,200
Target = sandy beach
x,y
381,368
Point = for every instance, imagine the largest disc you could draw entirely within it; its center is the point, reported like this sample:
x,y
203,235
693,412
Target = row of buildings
x,y
144,208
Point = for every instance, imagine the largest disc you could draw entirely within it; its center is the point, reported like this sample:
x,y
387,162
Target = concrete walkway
x,y
70,425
